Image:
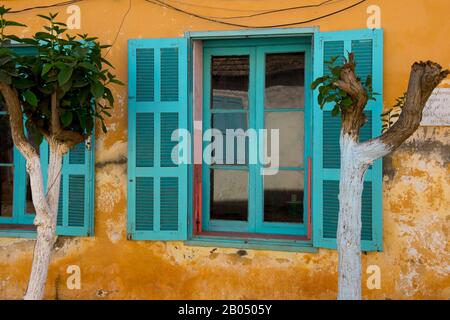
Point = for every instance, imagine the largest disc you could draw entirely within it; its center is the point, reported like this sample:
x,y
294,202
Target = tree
x,y
350,96
55,95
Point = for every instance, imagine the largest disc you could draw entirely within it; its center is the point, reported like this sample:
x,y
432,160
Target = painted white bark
x,y
46,216
349,222
355,160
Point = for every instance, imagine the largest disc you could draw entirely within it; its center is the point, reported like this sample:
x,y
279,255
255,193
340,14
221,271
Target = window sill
x,y
253,243
17,231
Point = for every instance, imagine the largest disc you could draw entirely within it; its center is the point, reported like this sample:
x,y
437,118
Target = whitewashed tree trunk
x,y
356,158
349,225
46,218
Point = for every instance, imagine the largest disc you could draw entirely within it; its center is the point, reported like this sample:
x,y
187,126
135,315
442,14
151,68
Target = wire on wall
x,y
120,28
266,12
165,4
59,4
219,20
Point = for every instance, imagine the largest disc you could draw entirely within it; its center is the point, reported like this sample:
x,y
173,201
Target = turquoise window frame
x,y
256,49
19,214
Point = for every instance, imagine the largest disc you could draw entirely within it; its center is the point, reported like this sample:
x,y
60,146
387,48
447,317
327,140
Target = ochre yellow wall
x,y
416,201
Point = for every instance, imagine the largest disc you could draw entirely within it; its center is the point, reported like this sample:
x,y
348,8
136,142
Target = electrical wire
x,y
266,12
215,8
59,4
211,18
120,28
164,4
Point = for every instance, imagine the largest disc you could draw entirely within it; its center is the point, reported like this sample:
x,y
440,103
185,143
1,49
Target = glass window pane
x,y
229,195
291,144
29,207
285,80
6,191
283,197
237,143
229,82
6,143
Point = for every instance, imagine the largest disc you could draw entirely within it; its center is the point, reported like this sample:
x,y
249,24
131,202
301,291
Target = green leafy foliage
x,y
330,93
70,67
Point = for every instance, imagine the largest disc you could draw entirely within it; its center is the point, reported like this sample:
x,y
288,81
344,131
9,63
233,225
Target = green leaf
x,y
44,36
116,81
82,118
29,41
336,71
22,83
332,60
13,37
335,111
87,65
318,81
30,98
14,24
89,124
66,118
109,96
46,68
64,75
97,89
331,98
106,62
4,10
347,102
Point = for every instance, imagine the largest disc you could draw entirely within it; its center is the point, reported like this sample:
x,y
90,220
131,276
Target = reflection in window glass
x,y
283,197
6,143
229,196
229,82
291,134
6,191
239,124
29,207
6,168
285,80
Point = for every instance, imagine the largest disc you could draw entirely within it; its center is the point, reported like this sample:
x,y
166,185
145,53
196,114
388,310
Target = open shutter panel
x,y
76,196
157,187
367,45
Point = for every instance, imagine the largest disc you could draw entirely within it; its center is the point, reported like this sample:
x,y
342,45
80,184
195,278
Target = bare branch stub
x,y
353,118
424,78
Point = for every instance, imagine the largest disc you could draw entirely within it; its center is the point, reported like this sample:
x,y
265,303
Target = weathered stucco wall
x,y
416,204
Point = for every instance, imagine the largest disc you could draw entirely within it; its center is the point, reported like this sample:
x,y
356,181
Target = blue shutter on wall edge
x,y
157,105
367,45
76,197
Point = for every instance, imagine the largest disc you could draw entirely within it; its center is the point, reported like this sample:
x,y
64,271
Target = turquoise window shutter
x,y
157,106
76,197
367,45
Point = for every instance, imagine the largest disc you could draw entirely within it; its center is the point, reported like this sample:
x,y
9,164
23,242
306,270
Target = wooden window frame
x,y
198,230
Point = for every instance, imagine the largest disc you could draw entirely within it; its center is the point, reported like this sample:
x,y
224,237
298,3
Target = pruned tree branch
x,y
353,118
27,150
16,119
56,124
424,78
